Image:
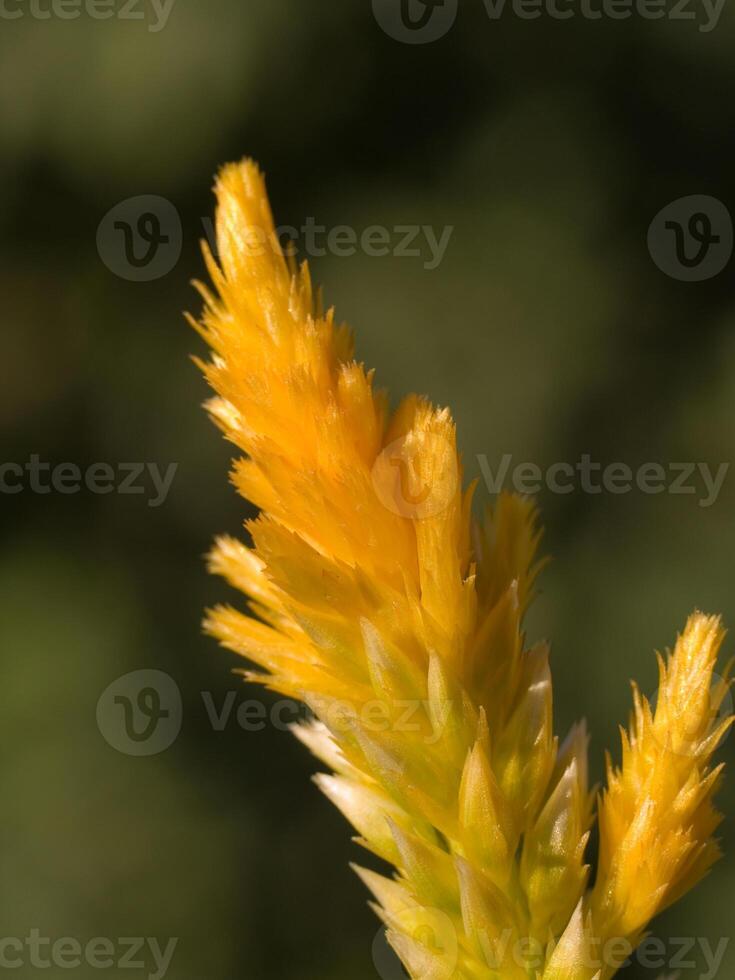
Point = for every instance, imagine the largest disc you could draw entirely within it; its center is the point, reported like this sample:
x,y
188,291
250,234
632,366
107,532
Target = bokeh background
x,y
549,146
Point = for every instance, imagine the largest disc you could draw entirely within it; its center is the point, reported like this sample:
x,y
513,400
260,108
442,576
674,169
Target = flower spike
x,y
375,599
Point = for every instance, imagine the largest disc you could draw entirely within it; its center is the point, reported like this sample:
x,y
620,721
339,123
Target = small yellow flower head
x,y
657,817
375,600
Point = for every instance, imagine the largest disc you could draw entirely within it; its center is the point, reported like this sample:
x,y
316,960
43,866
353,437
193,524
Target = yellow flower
x,y
376,600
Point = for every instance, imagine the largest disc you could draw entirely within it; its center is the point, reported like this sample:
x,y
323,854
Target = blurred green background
x,y
549,146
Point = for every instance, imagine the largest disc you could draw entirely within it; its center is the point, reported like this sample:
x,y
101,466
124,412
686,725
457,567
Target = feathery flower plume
x,y
377,601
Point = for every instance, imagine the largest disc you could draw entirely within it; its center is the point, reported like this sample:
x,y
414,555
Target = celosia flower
x,y
376,600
